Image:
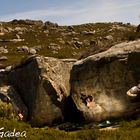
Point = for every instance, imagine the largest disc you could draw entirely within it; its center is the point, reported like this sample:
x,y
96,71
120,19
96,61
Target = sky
x,y
70,12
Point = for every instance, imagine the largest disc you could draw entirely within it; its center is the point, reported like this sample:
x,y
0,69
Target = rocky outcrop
x,y
48,90
43,84
3,50
100,83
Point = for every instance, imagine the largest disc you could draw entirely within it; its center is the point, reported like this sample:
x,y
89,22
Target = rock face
x,y
43,84
100,83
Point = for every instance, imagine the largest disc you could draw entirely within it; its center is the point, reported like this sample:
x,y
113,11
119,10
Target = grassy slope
x,y
128,131
36,35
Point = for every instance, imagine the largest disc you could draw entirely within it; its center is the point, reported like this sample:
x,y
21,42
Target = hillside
x,y
48,90
20,38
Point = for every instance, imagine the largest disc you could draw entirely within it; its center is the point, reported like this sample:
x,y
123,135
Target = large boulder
x,y
43,84
100,83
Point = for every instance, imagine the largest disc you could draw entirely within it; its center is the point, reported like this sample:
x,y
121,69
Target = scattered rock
x,y
74,53
70,28
32,51
11,40
109,37
46,31
3,50
18,37
118,27
1,70
23,49
86,42
16,40
60,40
8,68
20,29
72,33
9,29
78,44
88,32
93,42
76,39
1,34
54,46
3,58
54,51
3,30
38,48
69,42
20,33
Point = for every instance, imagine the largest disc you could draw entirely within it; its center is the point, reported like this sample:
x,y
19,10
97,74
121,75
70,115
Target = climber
x,y
20,115
18,111
134,91
90,101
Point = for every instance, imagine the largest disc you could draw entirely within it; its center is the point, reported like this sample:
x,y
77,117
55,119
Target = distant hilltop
x,y
40,22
